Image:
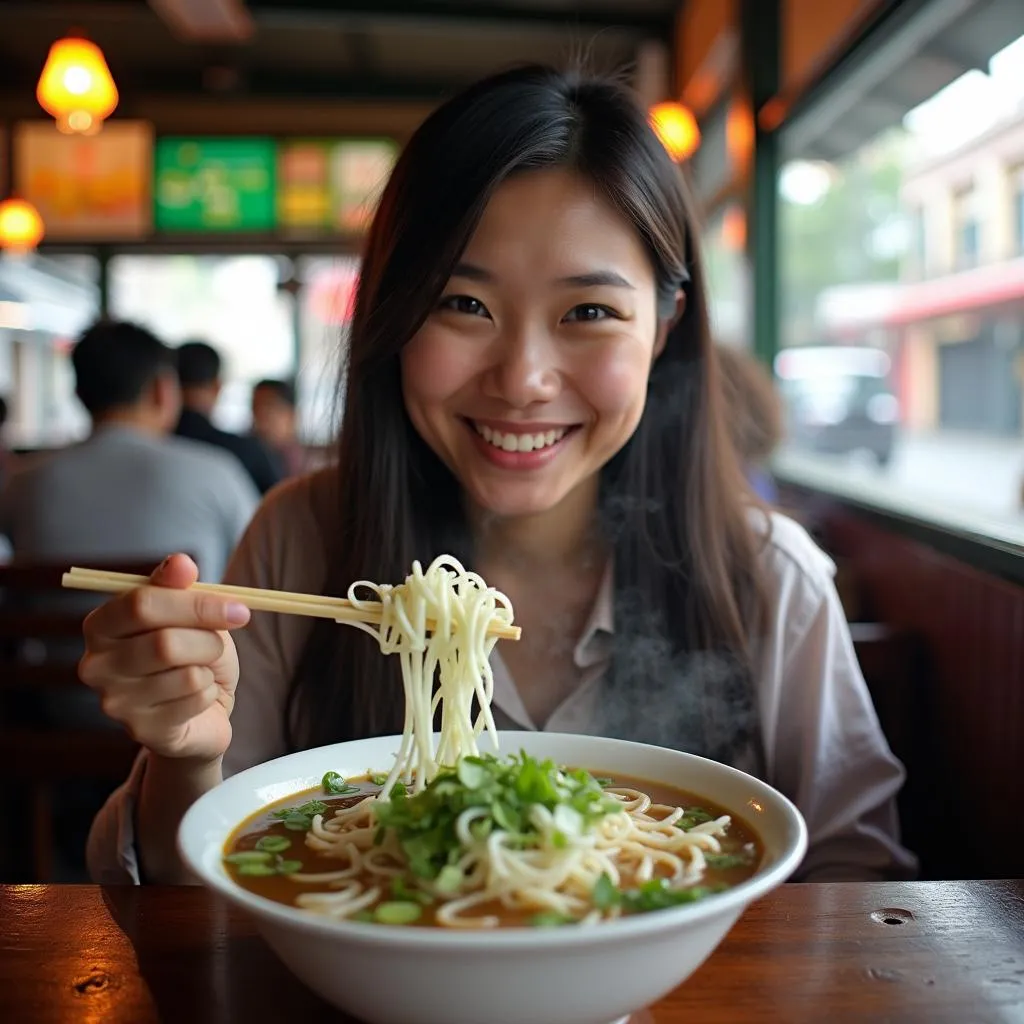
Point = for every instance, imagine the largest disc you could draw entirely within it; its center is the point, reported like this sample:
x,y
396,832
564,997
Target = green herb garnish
x,y
335,785
300,819
693,817
505,790
378,778
401,890
653,895
287,867
605,894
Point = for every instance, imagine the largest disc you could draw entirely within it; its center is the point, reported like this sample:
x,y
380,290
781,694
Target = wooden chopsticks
x,y
281,601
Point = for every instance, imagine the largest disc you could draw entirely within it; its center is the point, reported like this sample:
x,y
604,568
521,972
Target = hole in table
x,y
892,916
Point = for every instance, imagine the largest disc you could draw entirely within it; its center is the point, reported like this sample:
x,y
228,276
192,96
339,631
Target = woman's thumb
x,y
177,571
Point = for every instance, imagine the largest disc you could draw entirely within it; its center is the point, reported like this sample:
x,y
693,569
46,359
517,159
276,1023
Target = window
x,y
965,203
232,302
901,358
44,303
723,247
1018,210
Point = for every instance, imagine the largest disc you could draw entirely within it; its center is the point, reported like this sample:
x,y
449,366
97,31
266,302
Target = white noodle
x,y
457,652
635,843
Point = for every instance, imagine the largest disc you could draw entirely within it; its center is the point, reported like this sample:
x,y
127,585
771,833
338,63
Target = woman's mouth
x,y
525,448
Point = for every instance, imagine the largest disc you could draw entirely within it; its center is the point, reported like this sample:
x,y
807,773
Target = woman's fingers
x,y
159,651
124,699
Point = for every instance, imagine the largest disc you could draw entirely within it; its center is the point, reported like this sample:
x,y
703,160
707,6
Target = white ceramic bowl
x,y
394,975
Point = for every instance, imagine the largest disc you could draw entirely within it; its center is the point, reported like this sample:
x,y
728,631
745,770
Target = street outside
x,y
966,480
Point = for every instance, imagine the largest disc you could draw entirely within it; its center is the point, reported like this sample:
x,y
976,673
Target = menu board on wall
x,y
210,185
88,187
331,185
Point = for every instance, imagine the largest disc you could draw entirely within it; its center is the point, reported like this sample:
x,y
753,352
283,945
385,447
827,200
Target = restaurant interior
x,y
209,170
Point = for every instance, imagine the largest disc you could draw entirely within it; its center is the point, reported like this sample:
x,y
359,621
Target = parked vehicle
x,y
839,400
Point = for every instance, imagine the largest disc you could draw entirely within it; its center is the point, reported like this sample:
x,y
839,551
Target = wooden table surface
x,y
920,952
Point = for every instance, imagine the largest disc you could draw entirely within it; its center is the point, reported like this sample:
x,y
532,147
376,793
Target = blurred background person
x,y
130,490
754,415
274,422
6,456
199,370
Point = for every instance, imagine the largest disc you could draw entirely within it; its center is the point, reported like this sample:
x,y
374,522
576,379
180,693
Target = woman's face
x,y
532,371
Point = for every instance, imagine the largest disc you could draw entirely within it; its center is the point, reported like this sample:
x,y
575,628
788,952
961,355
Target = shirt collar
x,y
594,644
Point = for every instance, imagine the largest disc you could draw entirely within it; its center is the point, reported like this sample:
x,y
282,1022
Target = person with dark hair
x,y
199,368
274,423
6,459
531,387
753,412
130,490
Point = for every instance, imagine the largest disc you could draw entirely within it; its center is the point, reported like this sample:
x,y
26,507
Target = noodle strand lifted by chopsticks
x,y
457,651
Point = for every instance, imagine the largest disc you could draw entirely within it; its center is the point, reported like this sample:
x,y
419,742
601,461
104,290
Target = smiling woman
x,y
531,372
531,387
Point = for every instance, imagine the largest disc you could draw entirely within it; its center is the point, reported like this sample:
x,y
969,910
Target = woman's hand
x,y
164,664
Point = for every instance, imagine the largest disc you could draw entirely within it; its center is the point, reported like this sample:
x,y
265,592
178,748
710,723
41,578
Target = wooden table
x,y
924,952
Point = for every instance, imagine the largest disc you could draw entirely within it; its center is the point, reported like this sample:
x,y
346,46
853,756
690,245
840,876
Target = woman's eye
x,y
588,313
464,304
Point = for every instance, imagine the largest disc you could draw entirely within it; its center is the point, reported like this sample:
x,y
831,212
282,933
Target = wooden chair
x,y
39,624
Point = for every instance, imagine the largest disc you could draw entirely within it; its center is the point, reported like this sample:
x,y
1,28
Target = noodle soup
x,y
274,854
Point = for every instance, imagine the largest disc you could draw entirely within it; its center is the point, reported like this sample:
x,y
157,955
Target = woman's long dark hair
x,y
673,500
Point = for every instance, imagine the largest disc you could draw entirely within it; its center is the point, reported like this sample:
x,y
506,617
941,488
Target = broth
x,y
740,857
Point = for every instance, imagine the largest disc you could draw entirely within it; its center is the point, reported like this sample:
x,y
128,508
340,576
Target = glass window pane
x,y
902,304
231,302
725,265
45,301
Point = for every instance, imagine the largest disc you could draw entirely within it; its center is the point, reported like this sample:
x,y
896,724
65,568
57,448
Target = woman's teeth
x,y
520,442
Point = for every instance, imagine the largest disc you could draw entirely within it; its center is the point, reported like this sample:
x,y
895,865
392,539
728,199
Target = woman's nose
x,y
526,369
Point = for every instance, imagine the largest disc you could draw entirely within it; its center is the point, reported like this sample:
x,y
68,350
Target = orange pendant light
x,y
676,126
76,86
21,227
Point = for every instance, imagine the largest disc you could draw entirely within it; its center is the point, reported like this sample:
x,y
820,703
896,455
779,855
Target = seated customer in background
x,y
274,423
130,491
199,368
6,458
753,414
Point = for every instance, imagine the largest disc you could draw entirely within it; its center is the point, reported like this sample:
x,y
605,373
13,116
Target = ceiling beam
x,y
479,12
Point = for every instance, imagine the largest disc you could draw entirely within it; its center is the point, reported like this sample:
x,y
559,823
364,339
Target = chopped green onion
x,y
550,919
449,879
254,868
378,778
604,782
273,844
723,861
288,867
398,912
248,857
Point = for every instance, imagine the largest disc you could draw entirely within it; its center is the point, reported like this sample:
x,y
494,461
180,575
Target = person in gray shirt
x,y
131,490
